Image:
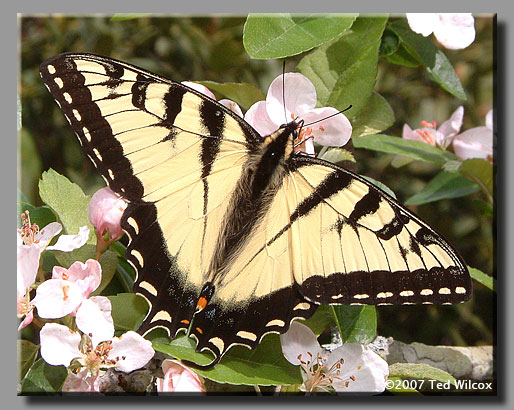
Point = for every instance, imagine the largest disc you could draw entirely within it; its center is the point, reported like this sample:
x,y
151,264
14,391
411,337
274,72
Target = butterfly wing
x,y
328,237
173,153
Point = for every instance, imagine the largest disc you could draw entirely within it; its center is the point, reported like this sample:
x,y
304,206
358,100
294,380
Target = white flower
x,y
178,378
292,96
452,30
99,351
476,142
67,289
441,136
351,367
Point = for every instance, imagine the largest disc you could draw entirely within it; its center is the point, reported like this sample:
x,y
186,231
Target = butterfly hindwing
x,y
233,235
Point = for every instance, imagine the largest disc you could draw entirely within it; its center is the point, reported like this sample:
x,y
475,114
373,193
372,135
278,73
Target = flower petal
x,y
87,275
199,87
45,235
452,126
334,131
59,344
67,243
27,266
489,120
57,298
299,340
27,320
232,105
362,370
105,211
474,143
81,382
422,23
130,351
455,30
178,378
94,318
293,91
258,118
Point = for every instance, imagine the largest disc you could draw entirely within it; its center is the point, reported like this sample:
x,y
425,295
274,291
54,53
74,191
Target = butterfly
x,y
234,235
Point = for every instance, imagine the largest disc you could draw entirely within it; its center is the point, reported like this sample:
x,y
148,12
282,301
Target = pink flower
x,y
178,378
231,105
476,142
100,351
31,242
293,97
441,136
105,211
452,30
67,289
351,367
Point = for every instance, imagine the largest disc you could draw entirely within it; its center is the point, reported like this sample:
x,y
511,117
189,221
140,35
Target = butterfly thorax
x,y
263,176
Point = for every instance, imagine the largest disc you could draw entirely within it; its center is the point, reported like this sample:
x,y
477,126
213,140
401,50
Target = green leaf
x,y
426,52
283,35
357,324
445,185
321,319
242,93
336,155
389,43
420,371
42,216
30,163
43,378
482,278
27,353
376,116
108,261
480,171
395,145
128,310
380,185
67,200
402,57
128,16
265,365
344,71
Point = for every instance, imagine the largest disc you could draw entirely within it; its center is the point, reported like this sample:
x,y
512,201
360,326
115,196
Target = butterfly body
x,y
234,235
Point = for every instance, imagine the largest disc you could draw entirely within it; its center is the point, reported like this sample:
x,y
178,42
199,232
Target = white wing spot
x,y
86,133
302,306
161,315
59,82
51,69
111,174
148,287
444,291
247,335
97,153
383,295
426,292
406,293
361,296
138,256
77,115
216,341
275,322
67,97
460,290
337,296
132,222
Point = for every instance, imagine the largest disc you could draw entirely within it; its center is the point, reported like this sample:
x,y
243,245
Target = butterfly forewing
x,y
222,249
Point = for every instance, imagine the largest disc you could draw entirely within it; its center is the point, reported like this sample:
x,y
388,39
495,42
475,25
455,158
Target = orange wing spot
x,y
202,302
185,321
199,330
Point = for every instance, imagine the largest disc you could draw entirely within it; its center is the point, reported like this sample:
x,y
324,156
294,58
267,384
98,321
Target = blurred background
x,y
211,48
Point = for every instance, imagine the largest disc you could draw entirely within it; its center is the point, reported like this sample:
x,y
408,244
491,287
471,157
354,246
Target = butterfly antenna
x,y
284,89
330,116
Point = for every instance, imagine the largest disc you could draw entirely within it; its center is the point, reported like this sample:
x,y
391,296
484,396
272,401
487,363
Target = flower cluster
x,y
290,97
453,30
473,143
